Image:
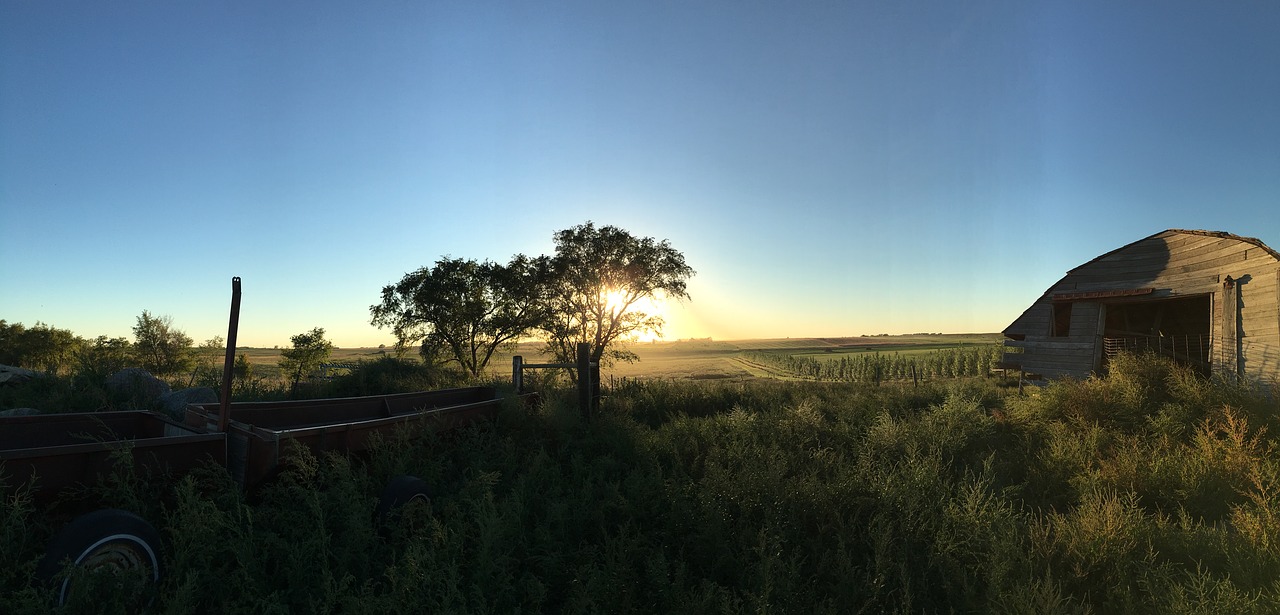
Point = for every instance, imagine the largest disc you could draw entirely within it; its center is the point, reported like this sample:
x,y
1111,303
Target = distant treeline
x,y
877,367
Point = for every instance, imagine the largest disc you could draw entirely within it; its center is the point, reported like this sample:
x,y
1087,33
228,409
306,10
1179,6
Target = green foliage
x,y
40,347
102,357
84,389
1117,495
391,375
463,310
876,367
242,369
20,549
309,350
161,348
208,359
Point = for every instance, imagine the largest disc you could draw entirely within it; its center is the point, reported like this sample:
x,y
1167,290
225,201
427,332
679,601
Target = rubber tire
x,y
400,491
101,533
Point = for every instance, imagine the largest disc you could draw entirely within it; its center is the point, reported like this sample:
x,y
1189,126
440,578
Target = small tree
x,y
242,370
463,310
309,351
102,357
598,278
207,359
160,347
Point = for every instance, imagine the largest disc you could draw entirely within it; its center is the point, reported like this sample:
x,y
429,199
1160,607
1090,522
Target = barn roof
x,y
1218,234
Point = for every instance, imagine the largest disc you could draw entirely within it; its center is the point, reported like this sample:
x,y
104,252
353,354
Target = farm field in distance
x,y
695,359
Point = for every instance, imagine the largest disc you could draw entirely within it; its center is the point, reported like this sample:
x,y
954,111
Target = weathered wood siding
x,y
1172,263
1071,355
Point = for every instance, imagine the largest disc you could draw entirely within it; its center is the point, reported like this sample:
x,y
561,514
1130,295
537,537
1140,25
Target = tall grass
x,y
1149,491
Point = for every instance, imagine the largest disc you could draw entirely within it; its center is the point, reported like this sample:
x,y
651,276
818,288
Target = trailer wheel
x,y
400,491
107,539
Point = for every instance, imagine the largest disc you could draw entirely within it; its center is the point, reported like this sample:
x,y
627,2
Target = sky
x,y
828,168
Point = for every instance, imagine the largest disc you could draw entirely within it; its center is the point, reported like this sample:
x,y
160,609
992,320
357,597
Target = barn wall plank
x,y
1163,281
1207,251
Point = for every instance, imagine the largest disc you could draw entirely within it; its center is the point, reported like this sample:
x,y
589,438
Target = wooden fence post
x,y
584,380
517,373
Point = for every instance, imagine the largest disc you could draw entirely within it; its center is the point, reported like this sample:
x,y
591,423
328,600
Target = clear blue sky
x,y
828,168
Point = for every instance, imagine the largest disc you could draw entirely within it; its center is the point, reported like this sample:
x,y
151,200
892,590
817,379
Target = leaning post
x,y
233,326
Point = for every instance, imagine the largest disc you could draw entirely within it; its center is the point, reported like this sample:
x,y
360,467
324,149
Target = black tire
x,y
108,537
400,491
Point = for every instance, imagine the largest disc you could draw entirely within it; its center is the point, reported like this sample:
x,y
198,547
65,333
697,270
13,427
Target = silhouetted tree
x,y
309,350
598,277
161,348
242,369
462,310
102,357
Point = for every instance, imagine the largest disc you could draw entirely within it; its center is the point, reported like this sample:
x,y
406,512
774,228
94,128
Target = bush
x,y
390,375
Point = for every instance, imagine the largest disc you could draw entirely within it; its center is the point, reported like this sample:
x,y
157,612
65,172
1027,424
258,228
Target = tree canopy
x,y
162,348
39,347
463,310
309,350
591,290
599,275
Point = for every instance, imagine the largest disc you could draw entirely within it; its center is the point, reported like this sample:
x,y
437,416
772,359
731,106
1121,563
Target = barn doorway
x,y
1180,328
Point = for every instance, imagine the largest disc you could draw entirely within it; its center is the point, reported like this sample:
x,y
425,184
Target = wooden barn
x,y
1208,299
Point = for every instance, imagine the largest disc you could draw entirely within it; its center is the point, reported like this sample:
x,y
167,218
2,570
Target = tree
x,y
242,370
208,359
160,347
103,356
40,347
462,310
309,351
599,277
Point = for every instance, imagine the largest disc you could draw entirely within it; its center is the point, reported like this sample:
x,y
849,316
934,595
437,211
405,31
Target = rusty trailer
x,y
54,452
51,454
257,432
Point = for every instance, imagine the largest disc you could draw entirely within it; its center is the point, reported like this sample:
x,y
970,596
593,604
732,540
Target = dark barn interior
x,y
1178,327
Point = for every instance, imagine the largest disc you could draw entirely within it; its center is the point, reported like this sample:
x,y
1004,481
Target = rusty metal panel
x,y
258,431
58,451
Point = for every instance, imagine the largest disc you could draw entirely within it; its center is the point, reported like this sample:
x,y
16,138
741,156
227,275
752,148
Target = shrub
x,y
388,374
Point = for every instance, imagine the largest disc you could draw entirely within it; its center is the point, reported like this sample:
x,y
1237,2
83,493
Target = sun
x,y
615,300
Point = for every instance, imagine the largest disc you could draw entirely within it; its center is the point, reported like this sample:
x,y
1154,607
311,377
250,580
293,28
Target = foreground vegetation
x,y
1149,491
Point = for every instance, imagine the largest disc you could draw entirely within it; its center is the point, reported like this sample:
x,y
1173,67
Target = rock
x,y
19,412
175,404
16,375
137,385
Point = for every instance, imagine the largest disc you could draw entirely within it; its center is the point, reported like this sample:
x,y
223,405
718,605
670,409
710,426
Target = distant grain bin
x,y
1209,299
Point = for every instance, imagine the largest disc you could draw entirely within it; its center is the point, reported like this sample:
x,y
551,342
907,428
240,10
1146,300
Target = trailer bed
x,y
257,432
52,452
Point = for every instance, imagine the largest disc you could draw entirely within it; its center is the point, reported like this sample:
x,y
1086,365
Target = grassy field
x,y
906,345
688,359
729,360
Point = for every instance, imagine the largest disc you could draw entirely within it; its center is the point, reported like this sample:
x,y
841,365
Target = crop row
x,y
875,367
